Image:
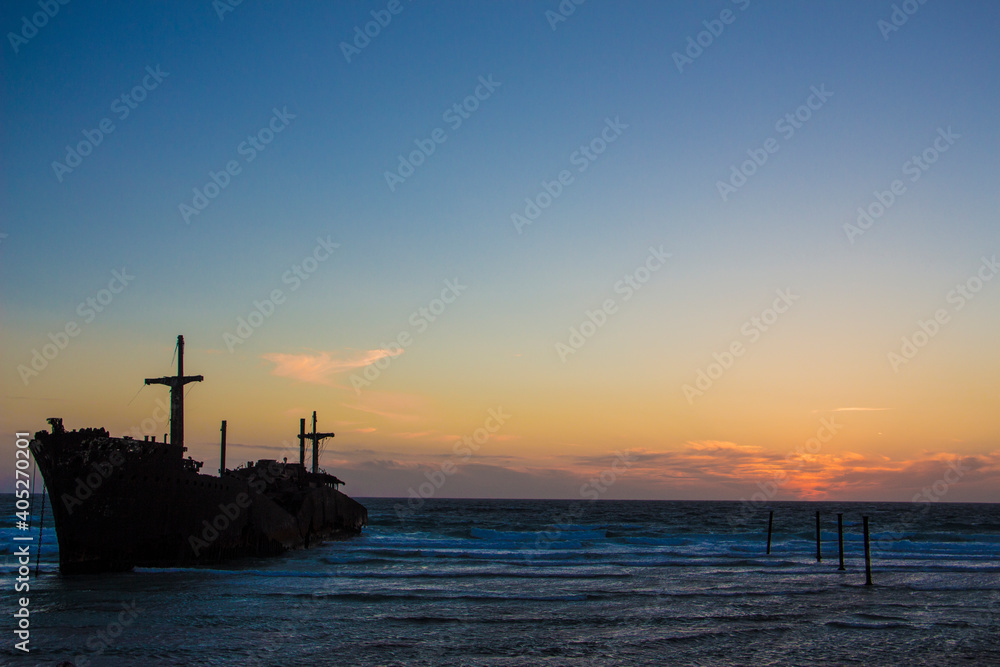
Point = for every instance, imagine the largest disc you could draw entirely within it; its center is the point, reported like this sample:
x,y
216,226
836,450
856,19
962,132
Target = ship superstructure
x,y
119,503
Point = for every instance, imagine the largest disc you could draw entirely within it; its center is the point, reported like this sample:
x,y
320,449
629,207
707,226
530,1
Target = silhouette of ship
x,y
120,503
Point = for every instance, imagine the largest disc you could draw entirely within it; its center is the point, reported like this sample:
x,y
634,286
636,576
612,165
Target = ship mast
x,y
315,437
176,384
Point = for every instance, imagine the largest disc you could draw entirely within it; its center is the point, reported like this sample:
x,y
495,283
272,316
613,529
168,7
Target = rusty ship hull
x,y
120,503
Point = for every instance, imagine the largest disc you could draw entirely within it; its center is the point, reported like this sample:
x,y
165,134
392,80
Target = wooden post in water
x,y
302,443
222,453
819,553
770,523
868,555
840,538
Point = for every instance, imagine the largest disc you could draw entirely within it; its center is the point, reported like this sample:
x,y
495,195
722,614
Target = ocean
x,y
544,582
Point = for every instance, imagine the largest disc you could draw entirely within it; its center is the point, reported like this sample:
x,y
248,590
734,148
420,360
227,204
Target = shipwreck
x,y
120,502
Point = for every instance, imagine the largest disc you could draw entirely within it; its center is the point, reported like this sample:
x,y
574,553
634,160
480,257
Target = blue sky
x,y
656,184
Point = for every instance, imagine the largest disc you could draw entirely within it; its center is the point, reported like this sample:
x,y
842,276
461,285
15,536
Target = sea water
x,y
501,582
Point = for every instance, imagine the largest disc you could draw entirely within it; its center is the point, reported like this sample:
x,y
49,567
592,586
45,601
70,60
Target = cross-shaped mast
x,y
315,437
176,384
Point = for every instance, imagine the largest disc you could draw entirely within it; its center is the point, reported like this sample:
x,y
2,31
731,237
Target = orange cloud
x,y
707,470
845,475
719,446
317,368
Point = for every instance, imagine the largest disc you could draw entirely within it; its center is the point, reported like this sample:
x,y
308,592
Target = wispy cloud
x,y
721,447
319,367
395,406
696,470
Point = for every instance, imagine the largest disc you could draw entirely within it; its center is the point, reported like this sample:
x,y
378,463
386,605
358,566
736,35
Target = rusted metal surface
x,y
120,503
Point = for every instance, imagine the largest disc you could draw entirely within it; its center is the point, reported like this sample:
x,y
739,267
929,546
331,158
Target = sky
x,y
708,250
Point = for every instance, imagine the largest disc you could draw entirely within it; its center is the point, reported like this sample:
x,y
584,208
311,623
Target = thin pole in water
x,y
840,538
868,555
819,553
222,454
770,523
41,522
